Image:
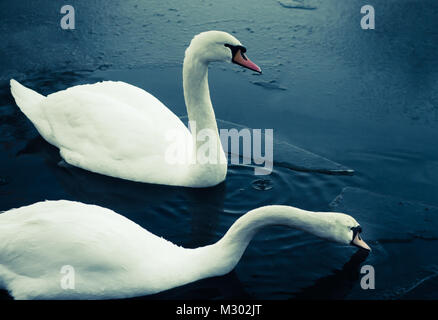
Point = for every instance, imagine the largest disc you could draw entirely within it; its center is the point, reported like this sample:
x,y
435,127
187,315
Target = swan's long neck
x,y
197,98
221,257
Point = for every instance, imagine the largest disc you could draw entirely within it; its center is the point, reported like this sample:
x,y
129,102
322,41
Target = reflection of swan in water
x,y
338,284
227,286
205,206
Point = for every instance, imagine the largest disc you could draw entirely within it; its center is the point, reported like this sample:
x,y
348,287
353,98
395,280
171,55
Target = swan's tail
x,y
26,99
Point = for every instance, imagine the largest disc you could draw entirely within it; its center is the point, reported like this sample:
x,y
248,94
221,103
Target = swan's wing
x,y
112,128
128,94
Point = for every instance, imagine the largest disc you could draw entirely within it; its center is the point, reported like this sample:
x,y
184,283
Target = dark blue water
x,y
340,98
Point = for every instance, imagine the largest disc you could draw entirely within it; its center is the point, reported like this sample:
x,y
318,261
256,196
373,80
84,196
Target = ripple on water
x,y
262,184
245,191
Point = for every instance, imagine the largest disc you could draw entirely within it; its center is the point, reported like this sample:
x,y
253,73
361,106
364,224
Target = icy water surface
x,y
354,113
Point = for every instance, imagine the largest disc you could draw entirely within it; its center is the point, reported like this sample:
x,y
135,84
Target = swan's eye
x,y
356,231
234,49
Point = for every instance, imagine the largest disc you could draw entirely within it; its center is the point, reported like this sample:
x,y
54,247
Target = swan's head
x,y
341,228
212,46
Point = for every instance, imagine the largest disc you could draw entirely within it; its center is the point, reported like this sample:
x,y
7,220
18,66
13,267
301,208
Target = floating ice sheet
x,y
402,235
388,219
296,4
290,156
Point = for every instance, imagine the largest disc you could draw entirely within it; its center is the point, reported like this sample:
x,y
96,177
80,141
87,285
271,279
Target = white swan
x,y
113,257
119,130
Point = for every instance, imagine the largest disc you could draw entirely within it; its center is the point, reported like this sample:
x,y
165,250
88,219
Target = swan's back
x,y
126,94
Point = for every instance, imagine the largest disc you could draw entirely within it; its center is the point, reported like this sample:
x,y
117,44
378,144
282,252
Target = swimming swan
x,y
119,130
109,256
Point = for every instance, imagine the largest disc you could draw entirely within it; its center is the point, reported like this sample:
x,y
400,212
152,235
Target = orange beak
x,y
358,242
241,59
